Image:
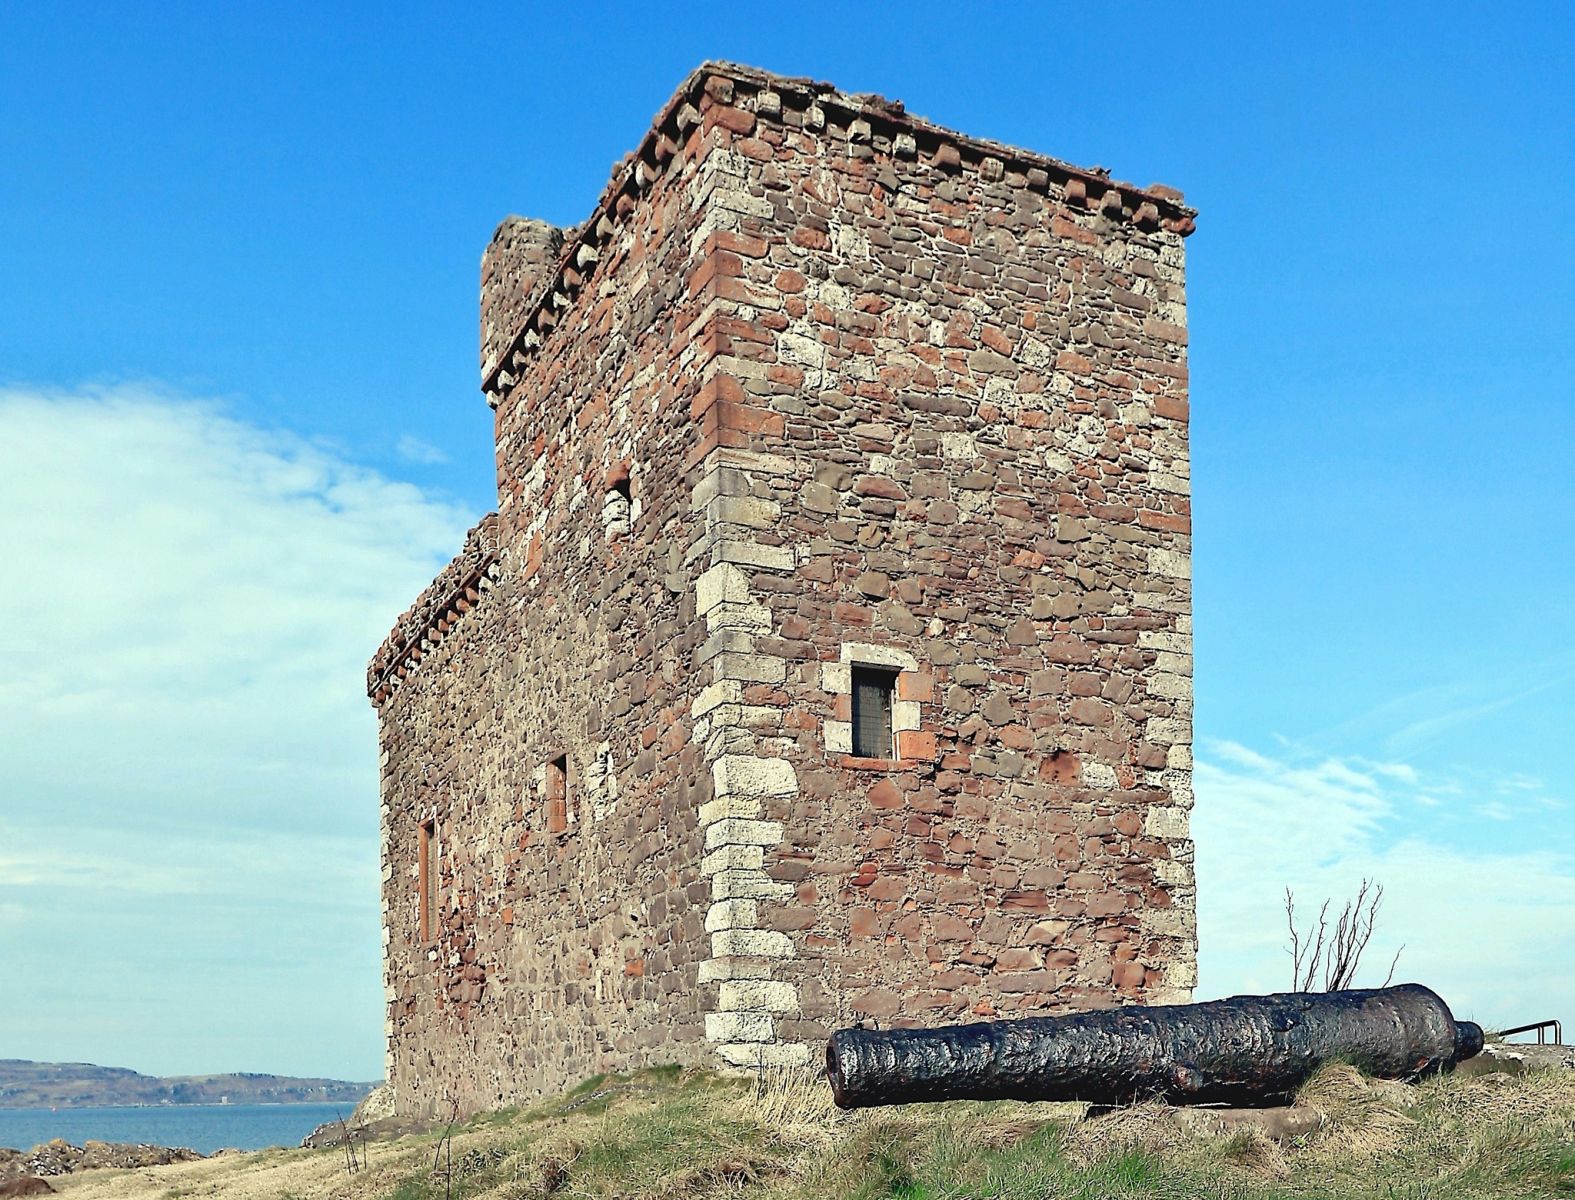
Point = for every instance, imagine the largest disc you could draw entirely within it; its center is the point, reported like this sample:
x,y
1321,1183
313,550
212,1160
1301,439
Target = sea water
x,y
201,1127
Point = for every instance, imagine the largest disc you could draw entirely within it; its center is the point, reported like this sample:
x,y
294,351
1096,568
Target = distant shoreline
x,y
5,1108
59,1086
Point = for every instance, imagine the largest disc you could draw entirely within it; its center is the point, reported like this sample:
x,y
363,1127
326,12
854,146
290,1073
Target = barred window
x,y
873,688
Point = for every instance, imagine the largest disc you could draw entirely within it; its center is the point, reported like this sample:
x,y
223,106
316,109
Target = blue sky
x,y
240,427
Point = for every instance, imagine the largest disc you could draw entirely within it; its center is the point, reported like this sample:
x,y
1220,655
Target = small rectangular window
x,y
872,698
428,867
558,794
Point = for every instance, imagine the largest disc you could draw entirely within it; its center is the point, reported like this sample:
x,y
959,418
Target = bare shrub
x,y
1335,954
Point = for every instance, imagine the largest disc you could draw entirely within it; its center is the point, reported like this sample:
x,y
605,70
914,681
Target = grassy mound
x,y
689,1135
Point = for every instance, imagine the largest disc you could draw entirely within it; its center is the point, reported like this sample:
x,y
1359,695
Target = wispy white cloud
x,y
1492,929
203,862
187,605
1423,719
413,450
1429,728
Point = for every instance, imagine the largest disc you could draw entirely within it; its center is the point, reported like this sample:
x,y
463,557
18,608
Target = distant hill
x,y
81,1085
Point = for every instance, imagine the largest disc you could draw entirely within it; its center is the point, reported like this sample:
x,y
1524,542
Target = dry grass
x,y
689,1135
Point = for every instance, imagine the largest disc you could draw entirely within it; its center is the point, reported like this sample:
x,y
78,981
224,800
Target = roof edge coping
x,y
1157,204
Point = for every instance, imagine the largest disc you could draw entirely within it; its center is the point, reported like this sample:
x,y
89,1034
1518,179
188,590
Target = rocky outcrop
x,y
60,1157
378,1105
384,1129
1511,1058
26,1185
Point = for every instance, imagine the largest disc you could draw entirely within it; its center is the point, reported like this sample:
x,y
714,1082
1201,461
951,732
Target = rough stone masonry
x,y
829,430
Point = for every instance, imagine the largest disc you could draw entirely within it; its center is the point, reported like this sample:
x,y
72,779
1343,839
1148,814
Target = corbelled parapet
x,y
456,590
514,270
727,93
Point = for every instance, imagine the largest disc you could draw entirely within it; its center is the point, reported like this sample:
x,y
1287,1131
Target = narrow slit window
x,y
428,868
873,689
558,794
618,509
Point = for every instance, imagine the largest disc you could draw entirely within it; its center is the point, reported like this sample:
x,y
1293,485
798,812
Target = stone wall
x,y
566,944
964,456
817,384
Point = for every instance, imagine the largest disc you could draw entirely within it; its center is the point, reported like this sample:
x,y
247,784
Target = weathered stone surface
x,y
818,385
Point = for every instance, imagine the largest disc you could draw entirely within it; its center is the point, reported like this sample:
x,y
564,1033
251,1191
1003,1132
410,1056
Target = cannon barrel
x,y
1245,1051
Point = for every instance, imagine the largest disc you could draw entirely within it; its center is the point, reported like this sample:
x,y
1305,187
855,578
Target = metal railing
x,y
1540,1028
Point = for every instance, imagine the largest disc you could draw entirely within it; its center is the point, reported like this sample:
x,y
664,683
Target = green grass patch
x,y
672,1134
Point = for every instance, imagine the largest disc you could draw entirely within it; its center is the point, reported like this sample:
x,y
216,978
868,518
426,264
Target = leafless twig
x,y
1335,954
445,1150
352,1163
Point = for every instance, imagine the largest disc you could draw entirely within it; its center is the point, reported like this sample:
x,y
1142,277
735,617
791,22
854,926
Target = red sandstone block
x,y
810,239
944,927
1129,824
885,794
916,745
1172,408
739,243
876,1002
862,923
1060,766
1107,904
851,614
1165,331
880,487
1014,507
996,339
718,387
734,331
1149,756
1024,902
1071,230
1128,978
1170,522
1017,737
718,263
916,685
734,119
741,291
746,418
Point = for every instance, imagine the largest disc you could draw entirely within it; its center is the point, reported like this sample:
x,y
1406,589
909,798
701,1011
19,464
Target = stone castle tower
x,y
828,657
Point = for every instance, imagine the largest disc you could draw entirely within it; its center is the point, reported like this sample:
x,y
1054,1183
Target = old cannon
x,y
1245,1051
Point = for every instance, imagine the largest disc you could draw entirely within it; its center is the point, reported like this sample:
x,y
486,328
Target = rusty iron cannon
x,y
1246,1051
